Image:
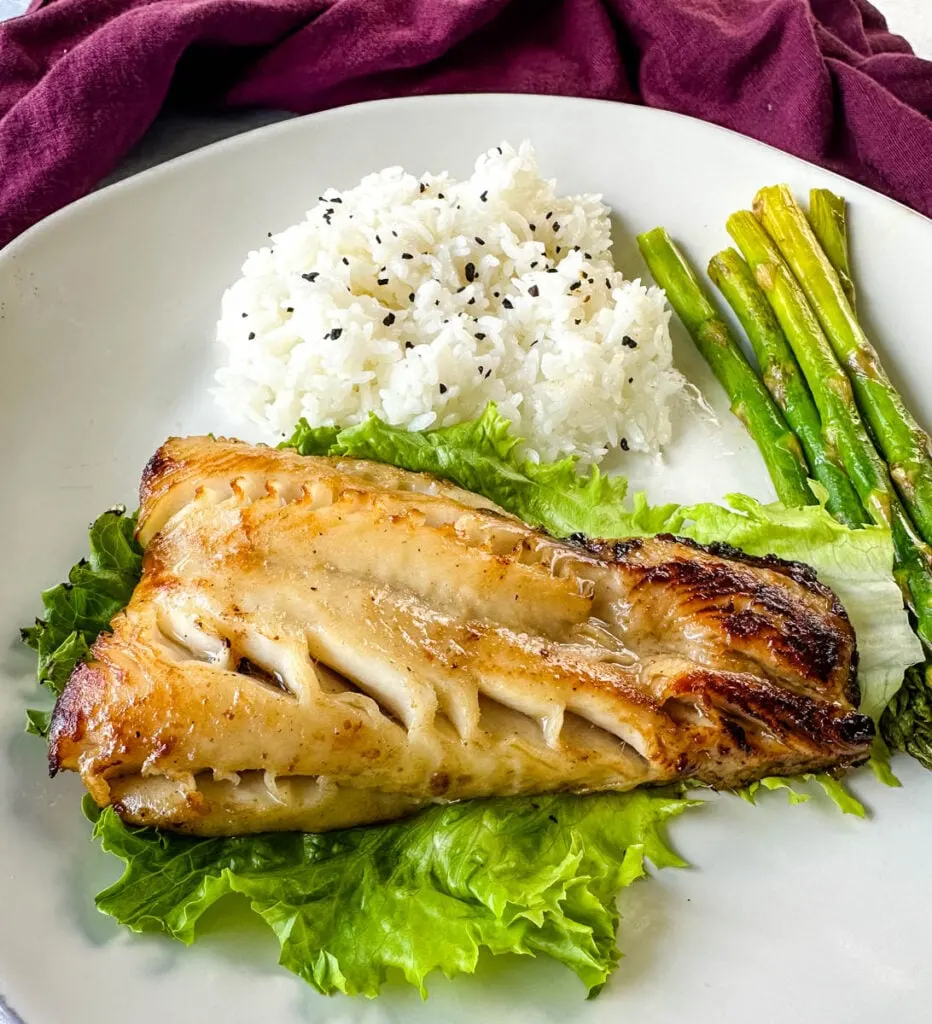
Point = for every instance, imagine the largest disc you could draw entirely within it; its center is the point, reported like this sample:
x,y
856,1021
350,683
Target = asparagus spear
x,y
784,381
907,722
842,425
750,401
905,445
830,226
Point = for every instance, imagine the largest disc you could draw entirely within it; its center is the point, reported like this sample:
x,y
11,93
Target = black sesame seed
x,y
629,342
289,309
575,285
481,368
488,373
409,344
421,187
534,342
251,335
484,197
551,270
480,335
499,148
244,315
630,380
556,226
461,288
321,199
496,294
443,389
345,262
587,255
470,271
553,818
559,249
575,247
440,195
312,277
407,256
382,280
623,444
480,241
379,240
471,302
389,320
577,322
436,302
268,234
533,291
335,333
336,199
394,233
507,304
533,227
533,264
549,215
608,284
410,296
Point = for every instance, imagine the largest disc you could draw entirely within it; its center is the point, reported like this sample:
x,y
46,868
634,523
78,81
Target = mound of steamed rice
x,y
422,299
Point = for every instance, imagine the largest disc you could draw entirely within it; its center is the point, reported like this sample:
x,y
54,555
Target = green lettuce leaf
x,y
834,789
529,876
484,456
77,611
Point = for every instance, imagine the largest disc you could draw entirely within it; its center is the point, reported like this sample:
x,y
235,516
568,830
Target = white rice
x,y
423,299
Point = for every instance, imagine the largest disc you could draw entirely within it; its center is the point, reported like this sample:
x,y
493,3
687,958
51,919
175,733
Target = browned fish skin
x,y
318,643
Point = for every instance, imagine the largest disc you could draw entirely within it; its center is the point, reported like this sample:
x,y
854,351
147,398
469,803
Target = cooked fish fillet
x,y
317,643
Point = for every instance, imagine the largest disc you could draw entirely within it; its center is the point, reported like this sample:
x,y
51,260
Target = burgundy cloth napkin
x,y
80,80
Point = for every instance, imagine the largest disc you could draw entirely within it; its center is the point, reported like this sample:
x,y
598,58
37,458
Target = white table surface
x,y
174,134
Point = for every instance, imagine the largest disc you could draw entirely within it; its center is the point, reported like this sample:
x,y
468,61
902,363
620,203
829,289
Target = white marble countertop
x,y
174,134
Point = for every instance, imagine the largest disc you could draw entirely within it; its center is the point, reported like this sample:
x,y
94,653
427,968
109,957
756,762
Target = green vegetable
x,y
841,421
907,723
846,802
750,401
905,445
522,876
77,611
482,455
830,226
784,381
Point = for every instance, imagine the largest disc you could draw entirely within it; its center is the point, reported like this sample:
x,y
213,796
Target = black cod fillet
x,y
317,643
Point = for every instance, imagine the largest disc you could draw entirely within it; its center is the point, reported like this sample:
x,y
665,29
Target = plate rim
x,y
298,122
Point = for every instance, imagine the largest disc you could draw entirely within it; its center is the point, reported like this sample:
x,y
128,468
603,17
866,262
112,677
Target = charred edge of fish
x,y
806,577
159,466
799,572
607,550
68,724
783,712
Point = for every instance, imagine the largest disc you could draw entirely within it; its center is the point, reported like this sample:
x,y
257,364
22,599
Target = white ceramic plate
x,y
106,320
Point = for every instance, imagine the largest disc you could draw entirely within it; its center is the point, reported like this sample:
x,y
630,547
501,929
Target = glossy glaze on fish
x,y
324,642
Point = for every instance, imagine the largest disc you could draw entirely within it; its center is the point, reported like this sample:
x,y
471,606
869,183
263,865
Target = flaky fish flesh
x,y
317,643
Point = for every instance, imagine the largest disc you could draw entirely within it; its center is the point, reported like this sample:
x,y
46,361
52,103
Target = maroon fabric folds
x,y
80,80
